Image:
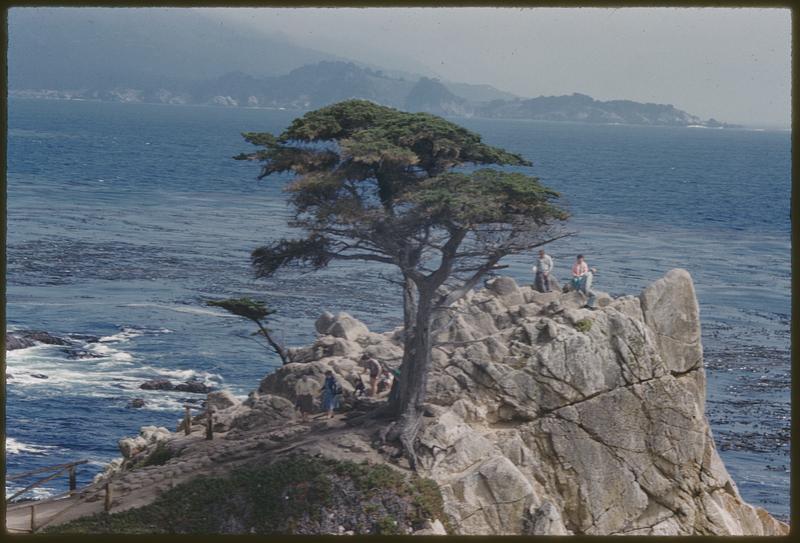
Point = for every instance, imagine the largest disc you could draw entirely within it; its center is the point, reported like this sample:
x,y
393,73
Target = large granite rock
x,y
553,419
547,418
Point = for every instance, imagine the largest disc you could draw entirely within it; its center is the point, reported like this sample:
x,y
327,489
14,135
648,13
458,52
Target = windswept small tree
x,y
376,184
256,312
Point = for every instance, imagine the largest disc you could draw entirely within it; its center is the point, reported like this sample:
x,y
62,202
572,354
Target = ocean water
x,y
124,218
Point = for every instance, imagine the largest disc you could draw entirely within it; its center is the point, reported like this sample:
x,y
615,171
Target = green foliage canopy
x,y
375,183
244,307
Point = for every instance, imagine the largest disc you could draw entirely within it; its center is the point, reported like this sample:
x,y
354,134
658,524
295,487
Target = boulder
x,y
506,290
346,327
431,527
220,400
546,520
44,337
15,341
193,386
157,384
324,323
136,403
671,310
264,410
148,438
21,339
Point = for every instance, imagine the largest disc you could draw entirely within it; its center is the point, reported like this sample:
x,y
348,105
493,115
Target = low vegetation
x,y
295,495
583,325
160,456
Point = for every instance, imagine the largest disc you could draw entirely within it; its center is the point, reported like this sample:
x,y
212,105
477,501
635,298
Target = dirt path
x,y
199,457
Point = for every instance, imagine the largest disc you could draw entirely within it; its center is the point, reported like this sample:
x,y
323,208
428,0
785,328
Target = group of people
x,y
380,380
582,276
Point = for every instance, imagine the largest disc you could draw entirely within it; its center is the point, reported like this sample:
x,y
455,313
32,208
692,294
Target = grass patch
x,y
294,495
160,456
583,325
370,478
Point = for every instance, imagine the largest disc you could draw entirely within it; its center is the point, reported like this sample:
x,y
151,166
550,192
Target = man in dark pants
x,y
543,268
374,368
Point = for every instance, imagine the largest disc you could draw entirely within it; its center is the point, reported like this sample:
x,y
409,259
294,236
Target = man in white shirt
x,y
543,268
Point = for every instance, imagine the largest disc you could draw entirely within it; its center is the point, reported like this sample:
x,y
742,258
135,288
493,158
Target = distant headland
x,y
325,82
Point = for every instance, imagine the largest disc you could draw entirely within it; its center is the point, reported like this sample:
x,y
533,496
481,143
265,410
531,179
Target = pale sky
x,y
731,64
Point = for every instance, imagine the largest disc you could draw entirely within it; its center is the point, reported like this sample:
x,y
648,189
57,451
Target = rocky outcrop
x,y
544,418
135,450
22,339
555,419
192,386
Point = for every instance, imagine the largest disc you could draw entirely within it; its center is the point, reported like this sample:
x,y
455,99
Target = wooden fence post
x,y
187,421
210,424
107,506
33,517
72,481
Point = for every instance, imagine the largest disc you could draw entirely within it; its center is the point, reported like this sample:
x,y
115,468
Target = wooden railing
x,y
58,470
187,420
70,467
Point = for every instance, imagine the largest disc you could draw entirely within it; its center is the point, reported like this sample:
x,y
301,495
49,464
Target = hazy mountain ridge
x,y
177,56
323,83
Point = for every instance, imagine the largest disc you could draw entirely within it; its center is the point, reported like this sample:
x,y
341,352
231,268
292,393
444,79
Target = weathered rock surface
x,y
555,419
547,418
148,436
550,426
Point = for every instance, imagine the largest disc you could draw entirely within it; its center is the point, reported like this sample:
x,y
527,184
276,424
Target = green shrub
x,y
584,325
387,526
160,455
292,495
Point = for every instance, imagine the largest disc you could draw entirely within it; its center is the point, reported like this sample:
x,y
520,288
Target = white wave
x,y
185,375
115,362
185,309
20,353
122,357
38,493
123,335
163,402
109,352
102,349
14,446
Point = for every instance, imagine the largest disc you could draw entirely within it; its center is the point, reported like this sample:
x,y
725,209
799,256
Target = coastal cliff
x,y
543,417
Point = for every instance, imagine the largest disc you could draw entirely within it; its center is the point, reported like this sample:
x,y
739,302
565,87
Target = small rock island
x,y
543,418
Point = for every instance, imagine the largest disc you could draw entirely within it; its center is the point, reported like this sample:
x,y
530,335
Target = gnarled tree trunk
x,y
409,394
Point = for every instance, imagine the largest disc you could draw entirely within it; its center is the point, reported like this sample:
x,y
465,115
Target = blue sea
x,y
124,218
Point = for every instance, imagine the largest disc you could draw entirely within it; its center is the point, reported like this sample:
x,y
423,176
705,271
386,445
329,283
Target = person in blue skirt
x,y
330,394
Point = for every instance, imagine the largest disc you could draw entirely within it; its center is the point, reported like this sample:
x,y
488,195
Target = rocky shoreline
x,y
543,417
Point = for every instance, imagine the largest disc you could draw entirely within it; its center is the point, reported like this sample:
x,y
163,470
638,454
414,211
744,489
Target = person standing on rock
x,y
304,394
374,368
330,394
582,276
542,269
